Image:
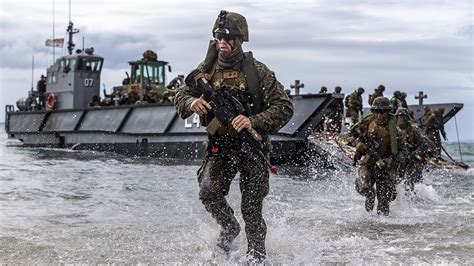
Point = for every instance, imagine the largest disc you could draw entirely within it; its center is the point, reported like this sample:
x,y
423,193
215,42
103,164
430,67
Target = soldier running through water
x,y
376,151
227,68
414,150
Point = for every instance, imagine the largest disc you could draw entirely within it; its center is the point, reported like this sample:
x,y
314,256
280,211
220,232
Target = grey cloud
x,y
345,42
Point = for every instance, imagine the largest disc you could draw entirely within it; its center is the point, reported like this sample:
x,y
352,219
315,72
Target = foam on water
x,y
92,207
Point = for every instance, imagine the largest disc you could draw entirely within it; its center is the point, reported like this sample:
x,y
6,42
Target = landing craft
x,y
125,124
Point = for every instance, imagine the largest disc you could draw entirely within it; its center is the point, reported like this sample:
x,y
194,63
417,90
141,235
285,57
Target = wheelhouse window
x,y
89,64
52,77
69,64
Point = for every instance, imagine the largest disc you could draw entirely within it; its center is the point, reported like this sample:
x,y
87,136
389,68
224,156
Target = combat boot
x,y
255,256
227,235
383,207
370,200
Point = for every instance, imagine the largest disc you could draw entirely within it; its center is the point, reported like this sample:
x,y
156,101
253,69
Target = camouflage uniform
x,y
403,100
95,101
353,103
372,172
396,102
426,115
336,112
378,92
151,97
434,125
227,154
413,150
132,97
320,126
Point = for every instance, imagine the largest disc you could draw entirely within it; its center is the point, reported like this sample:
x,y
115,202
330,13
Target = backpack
x,y
346,101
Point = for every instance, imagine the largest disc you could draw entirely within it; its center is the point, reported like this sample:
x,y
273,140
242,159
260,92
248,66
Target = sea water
x,y
63,206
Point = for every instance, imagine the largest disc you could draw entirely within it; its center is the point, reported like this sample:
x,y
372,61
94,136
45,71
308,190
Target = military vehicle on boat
x,y
123,124
146,84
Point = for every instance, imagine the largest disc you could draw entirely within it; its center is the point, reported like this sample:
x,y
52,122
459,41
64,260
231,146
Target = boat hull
x,y
153,130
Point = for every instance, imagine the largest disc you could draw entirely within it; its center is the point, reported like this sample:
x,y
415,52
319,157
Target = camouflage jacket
x,y
433,125
336,108
354,101
385,136
277,108
375,95
410,144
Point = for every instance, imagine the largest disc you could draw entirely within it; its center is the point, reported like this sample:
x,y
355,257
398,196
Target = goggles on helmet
x,y
380,111
225,36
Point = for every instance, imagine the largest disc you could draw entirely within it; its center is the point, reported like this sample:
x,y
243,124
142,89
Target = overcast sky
x,y
406,45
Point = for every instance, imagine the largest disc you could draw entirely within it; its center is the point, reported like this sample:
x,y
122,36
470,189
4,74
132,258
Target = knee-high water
x,y
89,207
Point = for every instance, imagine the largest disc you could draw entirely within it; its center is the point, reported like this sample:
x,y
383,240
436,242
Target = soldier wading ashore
x,y
237,80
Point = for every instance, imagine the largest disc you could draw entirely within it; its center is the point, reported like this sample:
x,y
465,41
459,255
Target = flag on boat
x,y
55,42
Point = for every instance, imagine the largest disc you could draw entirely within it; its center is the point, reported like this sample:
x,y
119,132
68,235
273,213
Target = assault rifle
x,y
225,108
370,145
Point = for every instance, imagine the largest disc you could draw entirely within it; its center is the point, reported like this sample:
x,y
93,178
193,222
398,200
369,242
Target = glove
x,y
380,164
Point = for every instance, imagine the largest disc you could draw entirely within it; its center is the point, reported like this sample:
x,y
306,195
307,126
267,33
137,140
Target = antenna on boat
x,y
54,52
70,30
69,10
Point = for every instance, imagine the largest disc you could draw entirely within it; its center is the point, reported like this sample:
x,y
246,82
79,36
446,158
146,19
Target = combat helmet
x,y
232,24
381,103
401,111
150,55
360,90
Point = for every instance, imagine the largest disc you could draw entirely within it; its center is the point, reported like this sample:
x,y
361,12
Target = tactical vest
x,y
247,77
392,130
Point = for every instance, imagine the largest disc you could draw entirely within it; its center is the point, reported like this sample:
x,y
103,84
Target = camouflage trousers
x,y
370,175
353,114
410,172
215,177
436,140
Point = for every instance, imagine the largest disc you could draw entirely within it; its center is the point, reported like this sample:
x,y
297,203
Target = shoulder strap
x,y
251,76
392,129
211,58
